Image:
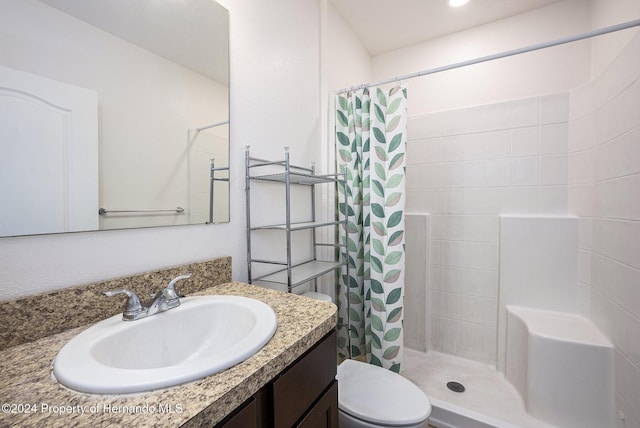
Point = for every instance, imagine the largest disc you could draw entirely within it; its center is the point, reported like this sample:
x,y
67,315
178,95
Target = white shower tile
x,y
584,300
452,254
520,200
414,130
479,255
473,174
554,139
586,233
453,201
524,141
490,315
496,116
437,226
553,200
463,147
434,277
634,197
581,200
584,267
494,199
627,380
427,150
414,202
617,198
452,279
450,331
498,144
490,344
618,116
581,102
523,113
620,282
472,309
430,176
524,171
581,167
582,134
464,121
553,170
432,201
481,228
483,283
619,156
621,73
436,330
413,178
629,419
449,175
497,173
554,108
629,328
451,228
470,341
476,201
435,300
619,240
426,126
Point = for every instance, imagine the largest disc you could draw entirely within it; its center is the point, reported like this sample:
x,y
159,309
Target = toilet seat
x,y
380,396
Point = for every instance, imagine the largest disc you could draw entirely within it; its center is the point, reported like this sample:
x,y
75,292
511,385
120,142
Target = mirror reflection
x,y
113,114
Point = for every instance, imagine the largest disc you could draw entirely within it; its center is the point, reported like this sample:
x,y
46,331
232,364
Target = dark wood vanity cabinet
x,y
304,395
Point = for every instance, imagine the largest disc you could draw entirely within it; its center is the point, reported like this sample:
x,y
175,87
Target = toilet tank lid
x,y
380,396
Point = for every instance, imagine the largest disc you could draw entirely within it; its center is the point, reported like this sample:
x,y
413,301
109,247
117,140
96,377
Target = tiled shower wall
x,y
604,190
465,167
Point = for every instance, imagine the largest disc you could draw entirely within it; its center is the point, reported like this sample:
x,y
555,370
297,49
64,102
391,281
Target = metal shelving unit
x,y
289,274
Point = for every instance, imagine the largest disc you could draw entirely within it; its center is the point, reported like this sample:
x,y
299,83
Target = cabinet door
x,y
325,413
295,391
244,417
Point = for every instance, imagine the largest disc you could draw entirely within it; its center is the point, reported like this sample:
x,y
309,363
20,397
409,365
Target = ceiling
x,y
387,25
192,33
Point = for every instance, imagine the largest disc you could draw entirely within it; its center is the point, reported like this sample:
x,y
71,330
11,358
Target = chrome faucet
x,y
163,301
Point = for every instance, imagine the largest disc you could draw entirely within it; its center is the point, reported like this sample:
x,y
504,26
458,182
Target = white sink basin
x,y
204,335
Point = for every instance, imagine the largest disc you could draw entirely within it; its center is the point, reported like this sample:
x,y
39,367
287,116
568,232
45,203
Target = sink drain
x,y
455,386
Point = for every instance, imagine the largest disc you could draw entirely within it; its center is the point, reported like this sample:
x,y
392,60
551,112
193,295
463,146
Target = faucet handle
x,y
133,309
170,291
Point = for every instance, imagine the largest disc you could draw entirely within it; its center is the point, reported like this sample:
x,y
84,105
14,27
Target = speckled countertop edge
x,y
27,383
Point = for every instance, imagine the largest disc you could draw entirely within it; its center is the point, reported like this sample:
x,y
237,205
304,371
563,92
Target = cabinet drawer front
x,y
302,383
244,417
325,413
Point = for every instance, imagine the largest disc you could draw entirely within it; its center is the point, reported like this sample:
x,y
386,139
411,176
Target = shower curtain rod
x,y
561,41
212,126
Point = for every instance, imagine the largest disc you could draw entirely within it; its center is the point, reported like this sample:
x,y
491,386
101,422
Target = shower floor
x,y
488,401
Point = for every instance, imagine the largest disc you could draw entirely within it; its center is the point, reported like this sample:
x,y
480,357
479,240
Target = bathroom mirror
x,y
113,114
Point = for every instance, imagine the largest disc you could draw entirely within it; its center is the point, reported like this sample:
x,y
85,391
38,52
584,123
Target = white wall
x,y
349,61
549,71
274,102
604,190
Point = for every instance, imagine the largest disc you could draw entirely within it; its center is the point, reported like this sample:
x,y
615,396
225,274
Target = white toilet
x,y
370,396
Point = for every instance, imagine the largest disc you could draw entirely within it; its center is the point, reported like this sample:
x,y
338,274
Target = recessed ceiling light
x,y
457,3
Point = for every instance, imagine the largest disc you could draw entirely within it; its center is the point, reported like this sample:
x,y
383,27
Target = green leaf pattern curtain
x,y
371,142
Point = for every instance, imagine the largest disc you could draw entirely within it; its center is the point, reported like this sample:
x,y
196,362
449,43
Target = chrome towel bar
x,y
103,211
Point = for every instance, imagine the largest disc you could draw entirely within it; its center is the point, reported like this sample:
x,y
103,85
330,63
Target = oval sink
x,y
202,336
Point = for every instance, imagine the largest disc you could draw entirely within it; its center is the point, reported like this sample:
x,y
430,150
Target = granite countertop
x,y
31,397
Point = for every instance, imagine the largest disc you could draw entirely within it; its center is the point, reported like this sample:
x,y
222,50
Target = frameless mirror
x,y
113,114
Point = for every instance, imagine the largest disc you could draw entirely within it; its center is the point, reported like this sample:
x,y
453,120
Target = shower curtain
x,y
370,149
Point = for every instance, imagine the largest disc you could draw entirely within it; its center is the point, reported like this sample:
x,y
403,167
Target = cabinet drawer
x,y
246,416
325,412
303,382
